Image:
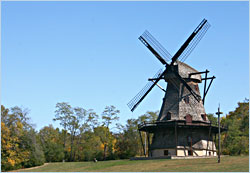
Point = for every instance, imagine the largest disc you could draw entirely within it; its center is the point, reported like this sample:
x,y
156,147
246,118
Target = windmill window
x,y
186,99
204,117
196,87
168,116
165,152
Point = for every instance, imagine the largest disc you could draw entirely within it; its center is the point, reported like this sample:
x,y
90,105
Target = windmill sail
x,y
155,47
192,41
142,94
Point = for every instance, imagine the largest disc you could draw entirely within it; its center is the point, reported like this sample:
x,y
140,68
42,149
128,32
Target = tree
x,y
75,121
149,116
74,125
12,155
89,122
31,144
128,142
90,146
19,145
213,120
236,139
105,137
92,120
63,114
108,116
51,143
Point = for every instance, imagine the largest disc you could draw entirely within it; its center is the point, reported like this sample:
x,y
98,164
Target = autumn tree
x,y
19,145
109,115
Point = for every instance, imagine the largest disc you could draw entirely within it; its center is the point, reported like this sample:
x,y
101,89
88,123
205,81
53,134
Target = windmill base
x,y
182,152
179,139
172,157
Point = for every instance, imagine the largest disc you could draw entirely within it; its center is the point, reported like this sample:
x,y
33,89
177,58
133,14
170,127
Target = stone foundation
x,y
182,152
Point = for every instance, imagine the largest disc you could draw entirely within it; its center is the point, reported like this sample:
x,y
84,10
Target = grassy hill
x,y
228,164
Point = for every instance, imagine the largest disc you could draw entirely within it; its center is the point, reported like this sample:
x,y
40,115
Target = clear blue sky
x,y
88,53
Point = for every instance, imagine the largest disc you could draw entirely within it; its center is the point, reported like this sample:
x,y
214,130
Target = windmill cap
x,y
185,70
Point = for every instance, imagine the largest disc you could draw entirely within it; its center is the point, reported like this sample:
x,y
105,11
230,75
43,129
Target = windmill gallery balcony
x,y
179,138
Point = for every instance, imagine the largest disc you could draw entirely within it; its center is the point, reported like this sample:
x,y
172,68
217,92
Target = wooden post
x,y
191,145
144,151
219,147
176,137
185,150
208,138
203,100
149,151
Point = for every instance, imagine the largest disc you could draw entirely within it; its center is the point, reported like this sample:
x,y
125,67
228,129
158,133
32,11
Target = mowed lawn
x,y
228,164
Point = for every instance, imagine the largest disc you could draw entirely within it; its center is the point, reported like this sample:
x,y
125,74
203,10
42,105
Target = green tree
x,y
236,139
109,115
105,137
63,114
91,146
74,126
92,120
149,116
128,142
89,122
31,144
213,120
52,144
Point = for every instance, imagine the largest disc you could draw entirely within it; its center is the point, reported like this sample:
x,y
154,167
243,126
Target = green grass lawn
x,y
228,164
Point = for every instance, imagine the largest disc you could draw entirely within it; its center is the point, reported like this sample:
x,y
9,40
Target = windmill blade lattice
x,y
139,97
161,51
195,40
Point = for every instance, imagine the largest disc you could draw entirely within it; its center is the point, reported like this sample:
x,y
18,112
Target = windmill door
x,y
188,119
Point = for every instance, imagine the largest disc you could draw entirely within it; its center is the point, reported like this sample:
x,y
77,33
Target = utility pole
x,y
219,147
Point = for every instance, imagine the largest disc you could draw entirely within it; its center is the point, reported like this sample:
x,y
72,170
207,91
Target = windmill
x,y
182,127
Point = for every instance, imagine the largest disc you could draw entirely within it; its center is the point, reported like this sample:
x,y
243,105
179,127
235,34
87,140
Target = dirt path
x,y
29,168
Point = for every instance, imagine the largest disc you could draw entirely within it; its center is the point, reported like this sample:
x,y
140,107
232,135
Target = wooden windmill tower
x,y
182,128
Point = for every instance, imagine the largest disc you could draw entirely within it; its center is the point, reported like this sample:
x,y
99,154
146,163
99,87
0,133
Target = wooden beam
x,y
208,78
203,100
149,150
208,138
144,151
209,85
176,138
198,73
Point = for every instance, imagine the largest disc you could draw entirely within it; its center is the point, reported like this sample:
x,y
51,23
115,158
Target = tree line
x,y
84,135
